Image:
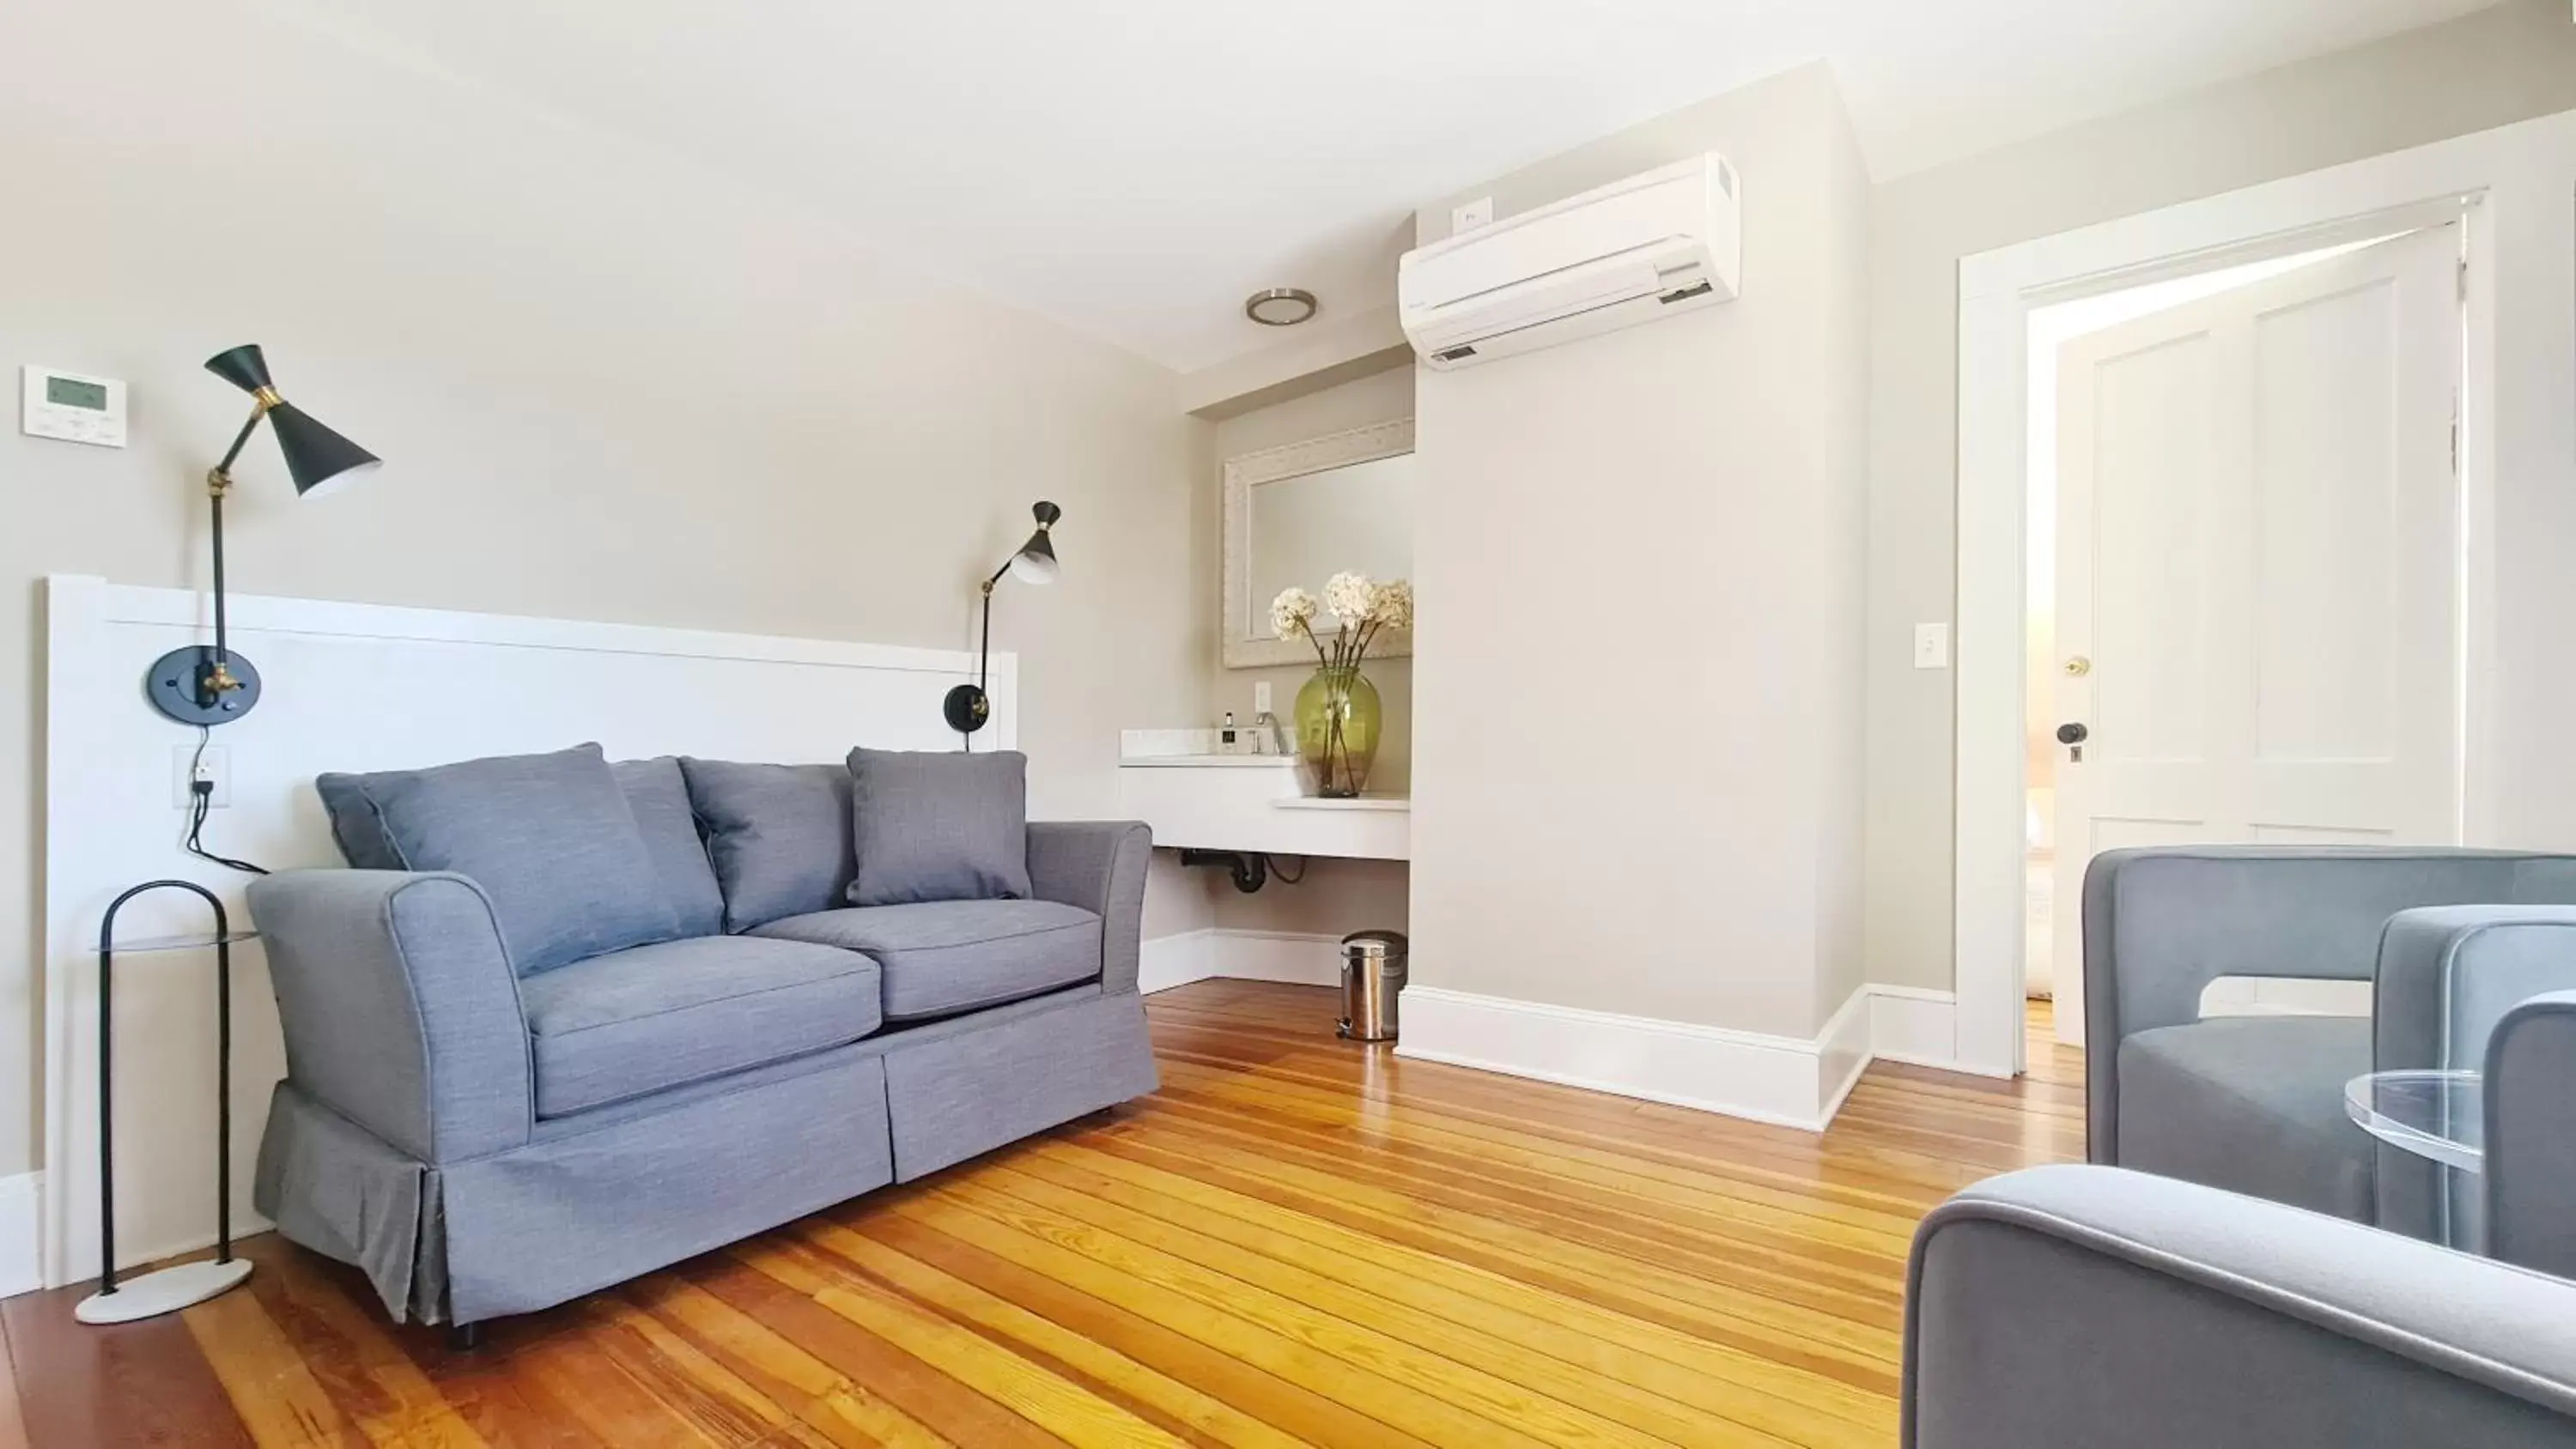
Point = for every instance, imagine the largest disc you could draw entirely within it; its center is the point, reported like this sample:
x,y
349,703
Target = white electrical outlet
x,y
1931,646
1471,215
215,768
1261,696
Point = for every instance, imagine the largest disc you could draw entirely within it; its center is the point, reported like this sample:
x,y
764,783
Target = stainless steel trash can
x,y
1372,975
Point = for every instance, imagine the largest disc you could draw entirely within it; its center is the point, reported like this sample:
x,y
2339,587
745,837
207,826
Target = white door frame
x,y
1998,289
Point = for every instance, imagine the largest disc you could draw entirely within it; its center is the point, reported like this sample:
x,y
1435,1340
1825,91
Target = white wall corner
x,y
1842,1053
1175,960
1914,1024
22,1234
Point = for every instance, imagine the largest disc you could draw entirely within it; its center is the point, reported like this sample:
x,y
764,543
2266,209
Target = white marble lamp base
x,y
149,1295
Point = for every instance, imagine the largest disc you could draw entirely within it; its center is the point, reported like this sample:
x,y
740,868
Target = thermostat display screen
x,y
73,393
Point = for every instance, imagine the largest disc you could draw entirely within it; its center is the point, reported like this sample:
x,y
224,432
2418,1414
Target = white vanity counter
x,y
1249,803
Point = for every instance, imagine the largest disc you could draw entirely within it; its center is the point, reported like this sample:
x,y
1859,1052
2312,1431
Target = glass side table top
x,y
188,941
2440,1115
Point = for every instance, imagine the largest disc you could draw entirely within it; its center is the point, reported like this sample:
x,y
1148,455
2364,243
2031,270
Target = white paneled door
x,y
2258,569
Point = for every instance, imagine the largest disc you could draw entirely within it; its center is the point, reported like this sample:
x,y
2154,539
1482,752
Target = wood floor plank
x,y
1298,1240
13,1424
1202,1415
1062,1408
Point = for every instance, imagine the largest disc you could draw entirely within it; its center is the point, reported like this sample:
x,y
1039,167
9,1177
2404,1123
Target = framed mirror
x,y
1299,515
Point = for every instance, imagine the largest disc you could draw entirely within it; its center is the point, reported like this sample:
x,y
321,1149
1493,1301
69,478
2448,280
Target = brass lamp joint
x,y
267,398
219,680
218,482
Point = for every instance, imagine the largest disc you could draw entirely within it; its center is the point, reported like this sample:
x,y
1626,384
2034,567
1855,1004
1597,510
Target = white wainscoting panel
x,y
347,687
22,1257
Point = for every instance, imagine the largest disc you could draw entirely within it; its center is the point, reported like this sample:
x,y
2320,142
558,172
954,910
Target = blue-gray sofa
x,y
582,1060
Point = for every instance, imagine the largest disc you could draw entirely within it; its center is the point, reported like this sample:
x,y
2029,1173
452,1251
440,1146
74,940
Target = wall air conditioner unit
x,y
1649,247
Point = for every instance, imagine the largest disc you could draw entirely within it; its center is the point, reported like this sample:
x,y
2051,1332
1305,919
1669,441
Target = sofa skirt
x,y
576,1210
957,1095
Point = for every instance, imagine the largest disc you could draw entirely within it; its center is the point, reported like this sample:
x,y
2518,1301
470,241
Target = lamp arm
x,y
219,481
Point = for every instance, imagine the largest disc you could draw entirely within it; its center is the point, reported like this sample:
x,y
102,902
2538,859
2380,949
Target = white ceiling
x,y
1135,168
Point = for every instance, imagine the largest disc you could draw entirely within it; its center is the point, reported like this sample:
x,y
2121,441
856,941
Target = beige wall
x,y
606,387
2510,63
1638,693
1339,896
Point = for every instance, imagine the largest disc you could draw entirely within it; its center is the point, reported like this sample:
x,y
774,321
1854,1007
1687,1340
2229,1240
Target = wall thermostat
x,y
72,406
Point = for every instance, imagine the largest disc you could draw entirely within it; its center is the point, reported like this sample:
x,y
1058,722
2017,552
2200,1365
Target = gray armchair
x,y
2086,1305
2454,941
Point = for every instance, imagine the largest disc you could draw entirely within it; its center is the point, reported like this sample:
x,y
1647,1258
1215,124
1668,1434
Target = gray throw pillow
x,y
939,827
549,838
779,836
660,799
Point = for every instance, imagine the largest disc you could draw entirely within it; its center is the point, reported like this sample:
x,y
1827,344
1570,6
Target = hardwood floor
x,y
1296,1241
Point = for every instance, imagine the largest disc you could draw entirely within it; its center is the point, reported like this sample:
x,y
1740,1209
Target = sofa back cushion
x,y
659,796
939,826
549,838
779,836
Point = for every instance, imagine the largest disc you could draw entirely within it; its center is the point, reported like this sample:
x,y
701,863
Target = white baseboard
x,y
1212,952
22,1221
1712,1069
1914,1024
1792,1081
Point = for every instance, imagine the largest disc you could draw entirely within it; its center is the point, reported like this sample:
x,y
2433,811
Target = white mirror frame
x,y
1242,617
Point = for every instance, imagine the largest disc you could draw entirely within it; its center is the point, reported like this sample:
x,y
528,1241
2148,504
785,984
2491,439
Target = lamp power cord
x,y
201,801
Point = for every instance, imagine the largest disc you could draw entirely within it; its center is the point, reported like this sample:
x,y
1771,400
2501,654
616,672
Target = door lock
x,y
2073,734
2077,666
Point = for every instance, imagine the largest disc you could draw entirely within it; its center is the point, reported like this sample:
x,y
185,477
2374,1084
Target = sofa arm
x,y
400,1007
2090,1305
2531,1135
1098,865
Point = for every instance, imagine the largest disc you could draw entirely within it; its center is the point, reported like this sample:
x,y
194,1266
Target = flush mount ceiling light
x,y
1280,306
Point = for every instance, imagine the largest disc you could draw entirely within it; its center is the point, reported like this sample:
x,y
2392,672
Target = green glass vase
x,y
1337,724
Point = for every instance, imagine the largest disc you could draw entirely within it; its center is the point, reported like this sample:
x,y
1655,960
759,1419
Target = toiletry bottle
x,y
1226,742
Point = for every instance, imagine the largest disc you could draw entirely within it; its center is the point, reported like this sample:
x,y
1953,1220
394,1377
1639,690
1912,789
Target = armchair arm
x,y
2161,924
2447,975
2531,1134
400,1008
2065,1305
1098,865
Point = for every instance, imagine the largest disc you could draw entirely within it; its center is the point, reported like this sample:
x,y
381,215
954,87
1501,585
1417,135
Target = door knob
x,y
2072,734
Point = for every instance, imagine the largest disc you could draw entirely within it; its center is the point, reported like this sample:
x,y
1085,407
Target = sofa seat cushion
x,y
944,957
2253,1104
660,1016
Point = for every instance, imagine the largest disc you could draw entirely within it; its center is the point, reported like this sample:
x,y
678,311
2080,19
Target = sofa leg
x,y
464,1337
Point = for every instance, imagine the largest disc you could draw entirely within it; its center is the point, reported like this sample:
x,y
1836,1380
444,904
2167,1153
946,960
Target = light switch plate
x,y
1261,696
1471,215
1931,646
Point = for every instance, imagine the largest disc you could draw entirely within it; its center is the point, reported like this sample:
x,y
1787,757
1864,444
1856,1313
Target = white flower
x,y
1395,604
1351,598
1292,613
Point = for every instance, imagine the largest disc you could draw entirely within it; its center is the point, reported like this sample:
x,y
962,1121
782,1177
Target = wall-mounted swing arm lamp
x,y
967,707
211,685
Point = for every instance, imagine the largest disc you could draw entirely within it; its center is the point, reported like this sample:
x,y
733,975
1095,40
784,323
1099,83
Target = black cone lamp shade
x,y
967,707
209,684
